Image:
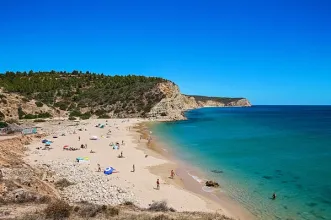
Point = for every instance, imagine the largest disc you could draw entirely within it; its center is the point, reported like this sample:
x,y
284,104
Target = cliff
x,y
84,95
173,105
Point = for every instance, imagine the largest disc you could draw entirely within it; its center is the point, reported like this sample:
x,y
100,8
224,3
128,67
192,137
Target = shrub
x,y
85,116
21,113
3,124
75,113
25,99
39,120
89,210
161,206
161,217
2,116
39,104
62,105
58,210
71,118
111,212
63,183
104,116
128,203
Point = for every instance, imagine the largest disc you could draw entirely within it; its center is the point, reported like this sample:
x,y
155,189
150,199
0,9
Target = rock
x,y
211,183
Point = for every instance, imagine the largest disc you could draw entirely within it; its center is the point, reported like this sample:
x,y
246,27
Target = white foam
x,y
208,189
196,178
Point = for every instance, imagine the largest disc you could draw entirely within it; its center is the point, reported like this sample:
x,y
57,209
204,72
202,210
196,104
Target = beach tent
x,y
108,170
48,143
94,138
44,141
102,126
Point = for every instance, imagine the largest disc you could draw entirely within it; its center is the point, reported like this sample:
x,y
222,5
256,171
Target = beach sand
x,y
180,192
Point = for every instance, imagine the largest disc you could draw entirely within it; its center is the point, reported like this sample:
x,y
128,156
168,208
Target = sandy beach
x,y
125,185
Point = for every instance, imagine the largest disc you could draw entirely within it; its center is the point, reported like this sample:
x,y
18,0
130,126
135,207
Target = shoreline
x,y
96,187
193,183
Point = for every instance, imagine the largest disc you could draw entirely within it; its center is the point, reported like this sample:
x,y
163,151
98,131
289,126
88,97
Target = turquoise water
x,y
261,150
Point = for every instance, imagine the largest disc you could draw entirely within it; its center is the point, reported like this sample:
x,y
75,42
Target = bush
x,y
21,113
39,120
89,210
63,183
104,116
3,124
25,100
111,212
161,206
57,210
71,118
85,116
2,116
62,105
75,113
39,104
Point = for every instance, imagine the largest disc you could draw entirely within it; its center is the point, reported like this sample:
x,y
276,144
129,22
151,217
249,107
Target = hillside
x,y
60,94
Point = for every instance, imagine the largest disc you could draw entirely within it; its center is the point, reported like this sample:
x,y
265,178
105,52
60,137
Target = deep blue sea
x,y
261,150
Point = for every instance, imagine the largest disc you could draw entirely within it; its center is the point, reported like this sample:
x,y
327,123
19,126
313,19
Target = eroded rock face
x,y
174,104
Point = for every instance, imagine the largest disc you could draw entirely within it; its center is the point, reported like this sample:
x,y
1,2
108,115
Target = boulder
x,y
211,183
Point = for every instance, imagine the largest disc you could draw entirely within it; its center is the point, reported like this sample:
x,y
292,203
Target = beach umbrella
x,y
94,138
48,143
44,141
65,147
108,170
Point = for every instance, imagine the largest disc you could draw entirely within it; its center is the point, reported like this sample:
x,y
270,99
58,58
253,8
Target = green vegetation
x,y
3,124
224,100
23,115
76,90
39,104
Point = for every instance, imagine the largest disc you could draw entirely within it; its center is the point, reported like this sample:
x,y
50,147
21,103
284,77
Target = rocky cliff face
x,y
174,104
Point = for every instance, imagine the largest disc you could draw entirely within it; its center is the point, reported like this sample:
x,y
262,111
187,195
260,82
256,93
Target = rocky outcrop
x,y
174,104
10,102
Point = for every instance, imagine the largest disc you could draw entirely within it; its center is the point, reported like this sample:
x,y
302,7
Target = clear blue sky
x,y
272,52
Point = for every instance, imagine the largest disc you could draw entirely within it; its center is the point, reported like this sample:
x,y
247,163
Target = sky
x,y
271,52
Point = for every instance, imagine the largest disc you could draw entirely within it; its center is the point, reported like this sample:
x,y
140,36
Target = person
x,y
274,196
157,184
78,138
85,146
99,168
172,174
121,153
133,168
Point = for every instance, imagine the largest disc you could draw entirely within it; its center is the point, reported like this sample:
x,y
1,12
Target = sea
x,y
256,151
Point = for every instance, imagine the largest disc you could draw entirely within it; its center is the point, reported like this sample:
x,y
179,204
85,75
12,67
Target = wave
x,y
196,178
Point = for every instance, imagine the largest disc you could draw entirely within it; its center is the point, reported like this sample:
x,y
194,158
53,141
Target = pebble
x,y
88,186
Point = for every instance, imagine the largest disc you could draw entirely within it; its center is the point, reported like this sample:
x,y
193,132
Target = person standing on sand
x,y
78,138
133,168
172,174
99,168
158,184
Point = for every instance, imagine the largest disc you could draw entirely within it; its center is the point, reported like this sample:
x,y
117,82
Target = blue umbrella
x,y
108,170
44,141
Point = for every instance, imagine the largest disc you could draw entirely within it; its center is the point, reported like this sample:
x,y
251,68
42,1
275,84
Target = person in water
x,y
274,196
